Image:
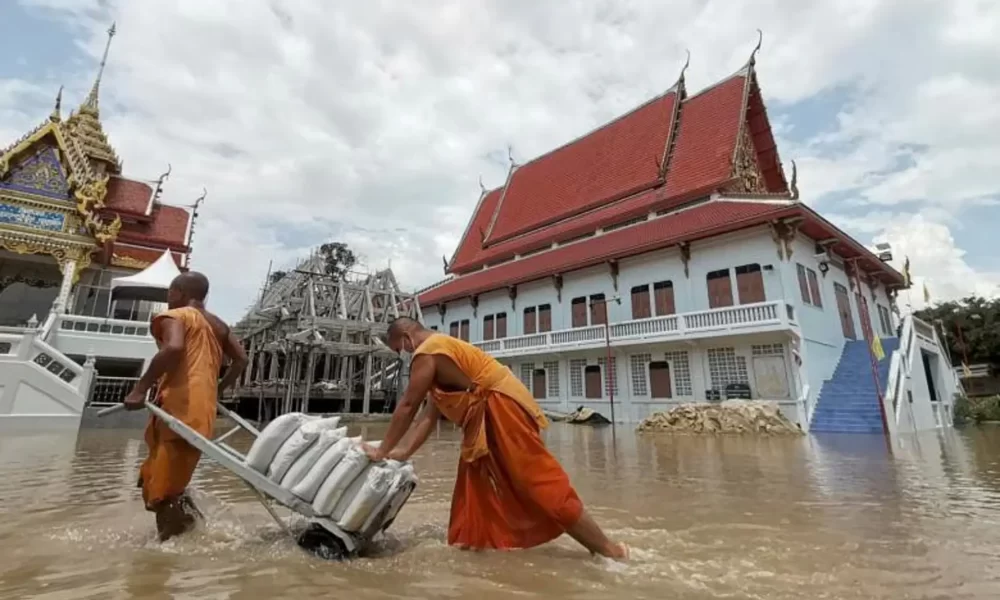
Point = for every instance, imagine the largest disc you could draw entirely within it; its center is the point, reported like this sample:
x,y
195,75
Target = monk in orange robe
x,y
511,492
192,343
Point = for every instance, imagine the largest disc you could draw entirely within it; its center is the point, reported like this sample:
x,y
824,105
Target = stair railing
x,y
899,366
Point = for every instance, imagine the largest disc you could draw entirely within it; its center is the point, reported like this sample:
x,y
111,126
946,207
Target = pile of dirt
x,y
725,417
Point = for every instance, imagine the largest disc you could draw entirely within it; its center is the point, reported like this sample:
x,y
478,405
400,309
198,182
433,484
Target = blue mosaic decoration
x,y
39,174
45,220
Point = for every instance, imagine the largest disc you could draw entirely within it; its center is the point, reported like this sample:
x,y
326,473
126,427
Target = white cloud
x,y
374,120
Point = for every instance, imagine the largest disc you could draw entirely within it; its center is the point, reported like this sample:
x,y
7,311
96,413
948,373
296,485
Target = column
x,y
68,268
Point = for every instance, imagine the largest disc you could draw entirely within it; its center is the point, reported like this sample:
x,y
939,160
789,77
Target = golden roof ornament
x,y
56,115
90,105
85,124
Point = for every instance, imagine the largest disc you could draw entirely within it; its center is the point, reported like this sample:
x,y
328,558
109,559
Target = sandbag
x,y
271,439
403,475
318,473
349,467
371,487
300,468
300,441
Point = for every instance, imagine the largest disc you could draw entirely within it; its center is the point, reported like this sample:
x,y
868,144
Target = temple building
x,y
666,257
71,221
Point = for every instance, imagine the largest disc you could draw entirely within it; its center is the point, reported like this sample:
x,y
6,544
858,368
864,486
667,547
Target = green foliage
x,y
339,259
976,410
971,327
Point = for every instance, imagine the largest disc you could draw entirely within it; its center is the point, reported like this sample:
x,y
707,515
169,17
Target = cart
x,y
322,537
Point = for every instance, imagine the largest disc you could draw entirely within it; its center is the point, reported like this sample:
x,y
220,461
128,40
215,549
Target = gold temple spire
x,y
90,105
56,115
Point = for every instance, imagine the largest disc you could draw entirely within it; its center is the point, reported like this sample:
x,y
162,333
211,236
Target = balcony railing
x,y
102,326
703,323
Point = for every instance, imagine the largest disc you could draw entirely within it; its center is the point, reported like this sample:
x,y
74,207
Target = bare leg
x,y
175,517
589,534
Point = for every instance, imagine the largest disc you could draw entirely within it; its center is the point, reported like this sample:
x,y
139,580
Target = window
x,y
530,320
93,299
453,329
663,295
659,379
681,372
526,370
544,318
579,310
552,372
640,302
885,320
501,325
576,368
592,379
809,286
639,362
720,289
726,367
750,284
598,310
463,330
488,327
611,378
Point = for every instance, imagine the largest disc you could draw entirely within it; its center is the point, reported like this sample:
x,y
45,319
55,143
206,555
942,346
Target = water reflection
x,y
708,517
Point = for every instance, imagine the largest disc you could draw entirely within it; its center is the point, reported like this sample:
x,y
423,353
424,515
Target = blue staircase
x,y
847,402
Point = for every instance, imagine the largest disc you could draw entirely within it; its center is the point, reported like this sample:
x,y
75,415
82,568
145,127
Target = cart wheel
x,y
321,543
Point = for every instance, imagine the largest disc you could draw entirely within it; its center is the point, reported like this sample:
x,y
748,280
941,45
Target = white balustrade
x,y
102,326
694,324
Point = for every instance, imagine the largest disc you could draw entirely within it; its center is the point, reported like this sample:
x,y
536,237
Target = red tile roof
x,y
708,219
618,159
168,227
128,196
145,255
552,199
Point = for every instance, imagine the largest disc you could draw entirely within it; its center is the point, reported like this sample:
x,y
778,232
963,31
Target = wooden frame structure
x,y
314,343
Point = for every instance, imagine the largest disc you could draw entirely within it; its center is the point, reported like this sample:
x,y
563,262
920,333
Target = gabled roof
x,y
613,174
168,227
129,196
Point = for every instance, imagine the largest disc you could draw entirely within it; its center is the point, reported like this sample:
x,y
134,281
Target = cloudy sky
x,y
371,123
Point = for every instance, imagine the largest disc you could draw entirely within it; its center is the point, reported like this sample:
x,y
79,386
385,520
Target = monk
x,y
511,492
192,343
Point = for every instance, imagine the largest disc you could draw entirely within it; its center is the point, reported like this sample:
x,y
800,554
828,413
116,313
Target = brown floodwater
x,y
706,517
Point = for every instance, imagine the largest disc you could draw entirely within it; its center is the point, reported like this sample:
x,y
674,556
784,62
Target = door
x,y
844,308
592,381
659,379
771,377
538,383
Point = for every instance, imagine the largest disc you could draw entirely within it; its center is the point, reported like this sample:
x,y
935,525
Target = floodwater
x,y
706,517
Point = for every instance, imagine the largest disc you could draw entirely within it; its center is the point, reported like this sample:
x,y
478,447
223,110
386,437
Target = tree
x,y
971,327
275,277
339,259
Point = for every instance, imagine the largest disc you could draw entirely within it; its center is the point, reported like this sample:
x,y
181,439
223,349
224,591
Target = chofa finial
x,y
793,186
760,40
56,115
482,188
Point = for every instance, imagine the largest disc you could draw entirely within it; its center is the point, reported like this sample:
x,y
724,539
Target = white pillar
x,y
68,268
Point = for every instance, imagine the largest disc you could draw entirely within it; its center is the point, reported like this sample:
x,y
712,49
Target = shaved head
x,y
403,330
188,287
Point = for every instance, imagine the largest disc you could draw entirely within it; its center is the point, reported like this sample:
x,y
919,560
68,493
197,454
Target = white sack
x,y
270,440
403,475
300,468
340,479
375,485
300,441
318,473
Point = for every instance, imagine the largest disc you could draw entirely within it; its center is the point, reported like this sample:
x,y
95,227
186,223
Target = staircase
x,y
848,402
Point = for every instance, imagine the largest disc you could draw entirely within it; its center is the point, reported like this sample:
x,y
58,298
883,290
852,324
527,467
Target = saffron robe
x,y
510,492
189,393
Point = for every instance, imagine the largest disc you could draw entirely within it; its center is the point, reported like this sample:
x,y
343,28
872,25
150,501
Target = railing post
x,y
87,378
26,349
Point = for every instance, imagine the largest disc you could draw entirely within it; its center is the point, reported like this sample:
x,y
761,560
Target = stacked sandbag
x,y
731,417
315,460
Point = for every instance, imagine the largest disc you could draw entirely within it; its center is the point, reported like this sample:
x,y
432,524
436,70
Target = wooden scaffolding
x,y
314,344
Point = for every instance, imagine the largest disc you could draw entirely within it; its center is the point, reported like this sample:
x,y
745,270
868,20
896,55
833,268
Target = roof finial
x,y
687,63
90,104
793,187
159,182
482,188
56,115
510,156
753,55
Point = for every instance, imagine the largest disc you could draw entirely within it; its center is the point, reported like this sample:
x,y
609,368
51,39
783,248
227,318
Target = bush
x,y
976,410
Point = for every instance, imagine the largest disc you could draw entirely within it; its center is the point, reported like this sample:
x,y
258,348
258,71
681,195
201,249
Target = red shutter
x,y
464,330
664,298
817,299
640,302
501,325
803,285
488,327
659,380
453,329
720,289
538,384
579,312
529,320
544,318
750,284
598,310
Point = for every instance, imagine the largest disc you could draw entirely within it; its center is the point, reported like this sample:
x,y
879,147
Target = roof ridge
x,y
743,71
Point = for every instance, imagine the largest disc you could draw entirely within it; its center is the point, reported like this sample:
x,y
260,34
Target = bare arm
x,y
419,433
233,349
421,378
169,355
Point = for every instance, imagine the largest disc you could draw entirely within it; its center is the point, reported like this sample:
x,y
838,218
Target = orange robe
x,y
511,492
189,393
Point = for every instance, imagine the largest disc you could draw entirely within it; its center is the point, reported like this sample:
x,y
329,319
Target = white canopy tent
x,y
150,284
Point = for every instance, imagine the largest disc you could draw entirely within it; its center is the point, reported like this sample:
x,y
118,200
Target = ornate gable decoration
x,y
40,173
